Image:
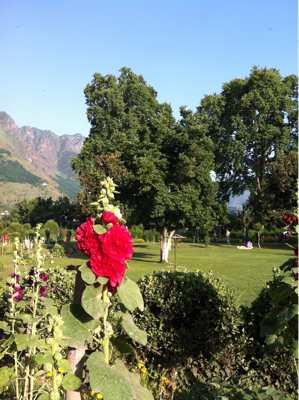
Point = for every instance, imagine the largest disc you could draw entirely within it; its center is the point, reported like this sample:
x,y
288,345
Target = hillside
x,y
35,163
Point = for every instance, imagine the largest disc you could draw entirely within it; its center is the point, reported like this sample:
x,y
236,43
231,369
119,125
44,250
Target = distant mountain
x,y
35,163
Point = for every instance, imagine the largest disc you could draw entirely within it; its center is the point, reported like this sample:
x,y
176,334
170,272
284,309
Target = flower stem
x,y
106,339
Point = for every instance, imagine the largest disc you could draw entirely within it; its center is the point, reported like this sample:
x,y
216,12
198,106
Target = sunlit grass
x,y
245,271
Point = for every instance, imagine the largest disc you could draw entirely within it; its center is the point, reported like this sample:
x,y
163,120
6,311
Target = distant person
x,y
68,236
256,237
214,237
280,236
275,239
262,239
227,235
243,237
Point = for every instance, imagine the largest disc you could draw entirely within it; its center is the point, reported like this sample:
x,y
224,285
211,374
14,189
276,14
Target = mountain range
x,y
35,162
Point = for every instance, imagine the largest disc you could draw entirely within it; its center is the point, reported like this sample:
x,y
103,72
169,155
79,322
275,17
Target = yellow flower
x,y
163,378
49,374
34,379
167,383
163,388
159,365
92,393
99,396
60,370
6,388
144,370
140,365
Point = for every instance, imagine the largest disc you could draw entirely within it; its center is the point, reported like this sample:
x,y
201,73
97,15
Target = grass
x,y
245,271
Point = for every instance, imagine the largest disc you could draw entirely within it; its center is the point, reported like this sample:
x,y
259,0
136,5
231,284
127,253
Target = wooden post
x,y
9,246
76,357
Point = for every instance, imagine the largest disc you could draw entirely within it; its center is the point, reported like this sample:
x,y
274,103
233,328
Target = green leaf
x,y
4,327
102,280
99,229
41,344
140,392
24,341
295,347
112,382
92,302
41,358
71,382
87,275
130,295
131,329
287,313
75,332
44,396
121,345
64,365
25,318
40,372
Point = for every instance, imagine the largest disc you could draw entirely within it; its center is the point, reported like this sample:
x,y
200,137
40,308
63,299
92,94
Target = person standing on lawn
x,y
243,237
214,237
227,235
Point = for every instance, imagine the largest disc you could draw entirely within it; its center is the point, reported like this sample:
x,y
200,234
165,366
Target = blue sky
x,y
184,49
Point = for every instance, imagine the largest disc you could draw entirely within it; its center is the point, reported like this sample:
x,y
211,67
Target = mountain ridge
x,y
41,153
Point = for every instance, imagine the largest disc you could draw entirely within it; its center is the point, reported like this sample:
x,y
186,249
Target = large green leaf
x,y
71,382
75,332
287,313
295,347
4,327
24,341
130,295
140,392
93,303
121,345
43,358
112,382
87,275
64,365
131,329
44,396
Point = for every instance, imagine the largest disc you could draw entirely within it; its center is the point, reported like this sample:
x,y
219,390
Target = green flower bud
x,y
48,367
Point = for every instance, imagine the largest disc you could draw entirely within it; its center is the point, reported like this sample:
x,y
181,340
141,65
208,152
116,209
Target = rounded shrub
x,y
193,324
58,251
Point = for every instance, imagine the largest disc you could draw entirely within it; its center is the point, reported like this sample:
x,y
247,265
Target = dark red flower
x,y
12,276
103,265
109,218
296,252
19,293
117,243
87,239
42,291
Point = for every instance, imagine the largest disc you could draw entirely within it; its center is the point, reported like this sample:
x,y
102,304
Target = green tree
x,y
249,122
164,165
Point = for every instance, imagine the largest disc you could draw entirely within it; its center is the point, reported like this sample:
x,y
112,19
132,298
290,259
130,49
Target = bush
x,y
61,285
1,266
193,324
58,251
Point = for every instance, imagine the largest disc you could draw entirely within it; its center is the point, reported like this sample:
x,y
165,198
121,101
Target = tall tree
x,y
164,165
249,121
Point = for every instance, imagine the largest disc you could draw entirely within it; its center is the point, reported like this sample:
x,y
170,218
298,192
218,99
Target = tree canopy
x,y
249,122
162,166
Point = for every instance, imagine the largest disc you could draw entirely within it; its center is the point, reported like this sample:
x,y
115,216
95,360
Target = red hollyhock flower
x,y
12,276
103,265
109,218
287,218
42,291
87,239
117,243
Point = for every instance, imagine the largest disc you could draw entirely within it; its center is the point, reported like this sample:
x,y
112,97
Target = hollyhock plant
x,y
117,243
109,218
17,293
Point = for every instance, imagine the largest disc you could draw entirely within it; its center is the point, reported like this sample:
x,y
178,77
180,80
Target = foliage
x,y
52,227
61,285
207,241
164,167
13,171
57,251
40,210
249,121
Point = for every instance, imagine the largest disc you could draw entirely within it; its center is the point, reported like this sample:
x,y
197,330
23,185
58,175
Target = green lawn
x,y
245,271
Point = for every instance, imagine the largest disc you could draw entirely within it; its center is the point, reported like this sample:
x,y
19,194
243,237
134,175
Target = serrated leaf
x,y
41,358
121,345
4,327
71,382
99,229
86,273
75,332
64,365
130,295
93,303
112,382
24,341
131,329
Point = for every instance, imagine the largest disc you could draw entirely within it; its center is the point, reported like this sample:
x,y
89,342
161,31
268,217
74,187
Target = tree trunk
x,y
76,357
163,246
